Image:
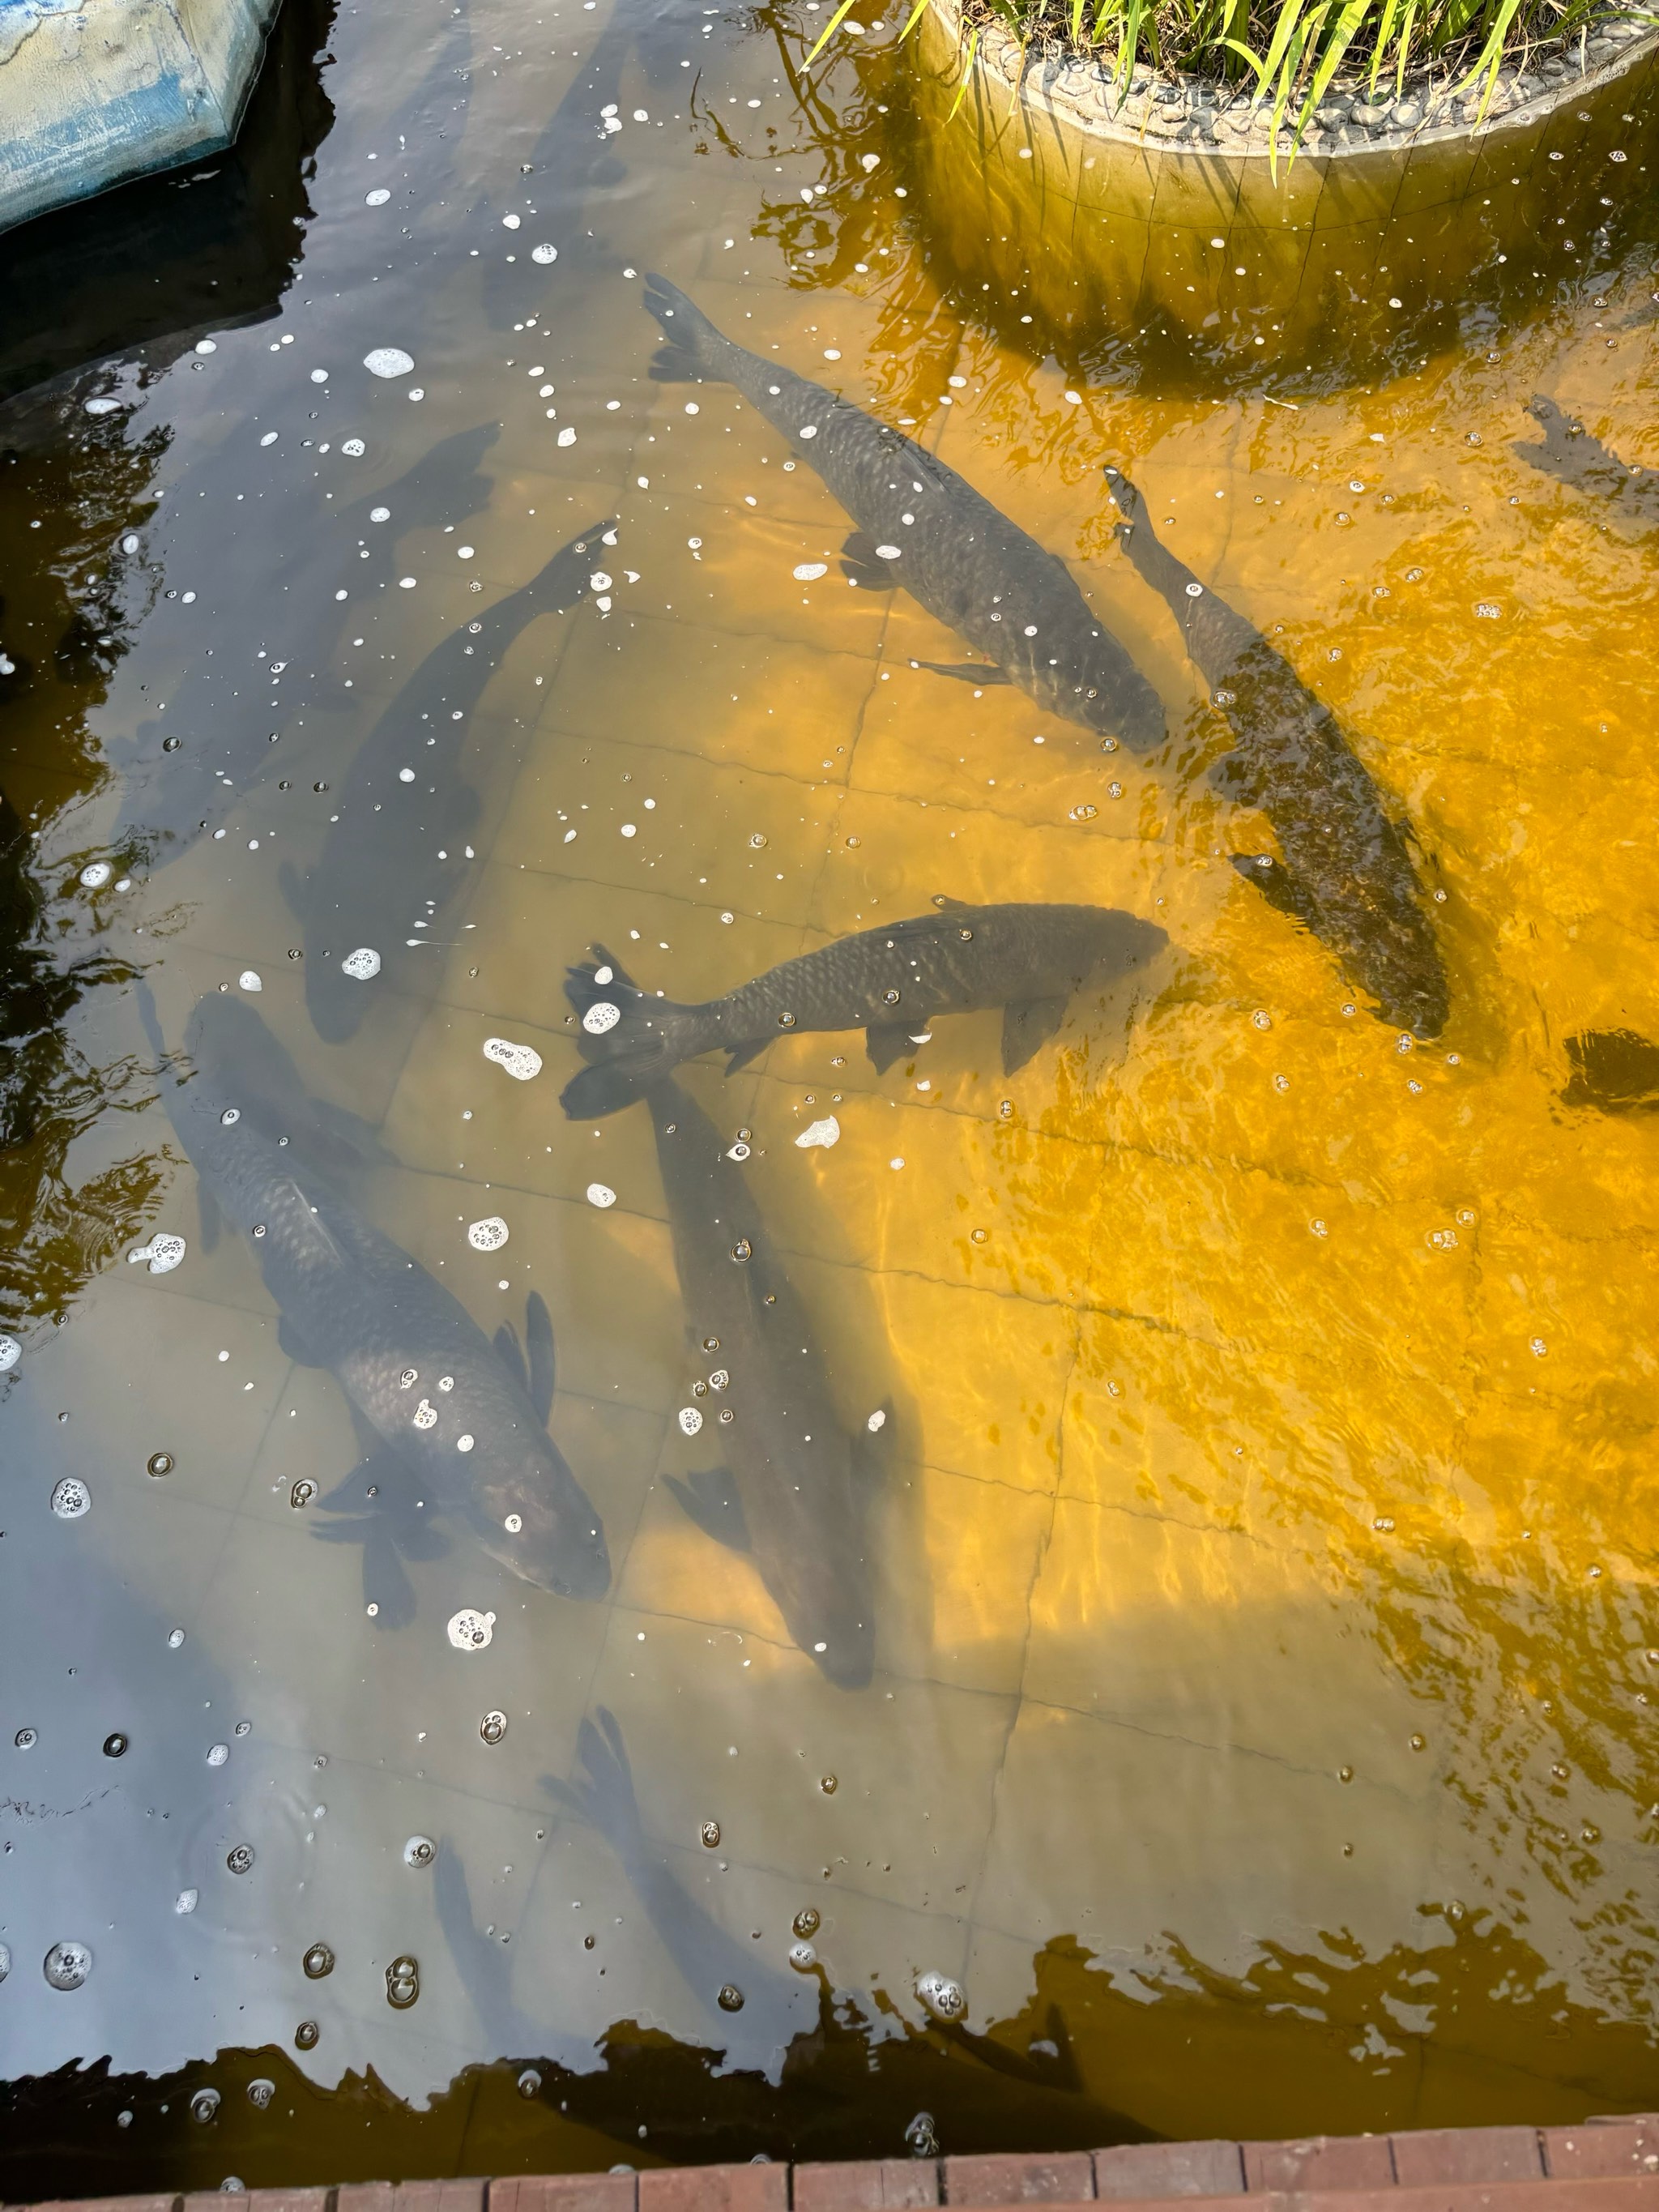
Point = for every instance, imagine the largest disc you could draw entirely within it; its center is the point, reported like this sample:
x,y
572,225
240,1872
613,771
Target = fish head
x,y
1408,983
537,1520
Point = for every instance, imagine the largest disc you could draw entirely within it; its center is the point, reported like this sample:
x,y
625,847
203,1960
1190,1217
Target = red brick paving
x,y
1608,2164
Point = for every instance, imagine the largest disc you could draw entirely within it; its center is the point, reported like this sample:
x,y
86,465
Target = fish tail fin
x,y
629,1041
693,352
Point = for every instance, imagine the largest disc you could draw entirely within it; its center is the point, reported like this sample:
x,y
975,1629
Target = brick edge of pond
x,y
1602,2165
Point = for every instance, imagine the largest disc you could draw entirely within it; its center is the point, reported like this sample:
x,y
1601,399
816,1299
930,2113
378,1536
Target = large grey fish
x,y
453,1419
394,856
1571,455
794,1492
890,983
1346,869
921,525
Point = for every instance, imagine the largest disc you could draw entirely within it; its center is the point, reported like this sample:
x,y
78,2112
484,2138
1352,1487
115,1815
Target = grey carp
x,y
1573,456
921,525
795,1491
453,1420
1346,869
401,813
890,983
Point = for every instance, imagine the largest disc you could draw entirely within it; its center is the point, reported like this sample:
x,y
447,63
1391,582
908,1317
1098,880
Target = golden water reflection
x,y
1264,1553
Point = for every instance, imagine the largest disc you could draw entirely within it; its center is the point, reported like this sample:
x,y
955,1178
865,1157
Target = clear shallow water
x,y
1260,1531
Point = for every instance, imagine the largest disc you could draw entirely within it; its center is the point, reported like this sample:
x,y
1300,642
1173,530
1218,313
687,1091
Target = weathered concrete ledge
x,y
94,92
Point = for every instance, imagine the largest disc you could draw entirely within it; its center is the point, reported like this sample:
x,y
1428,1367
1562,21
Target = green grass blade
x,y
967,72
915,17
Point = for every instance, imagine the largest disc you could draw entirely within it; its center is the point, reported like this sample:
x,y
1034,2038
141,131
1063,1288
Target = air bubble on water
x,y
27,1738
737,1151
260,2091
10,1353
877,1420
205,2105
808,572
388,361
828,1785
5,1962
1262,1021
96,874
67,1965
601,1194
942,1996
318,1961
239,1857
379,198
521,1061
803,1958
690,1420
600,1016
217,1753
361,964
115,1745
419,1851
464,1444
403,1982
544,254
354,449
710,1833
175,1637
164,1251
493,1727
730,1998
824,1133
513,1523
186,1901
71,1498
469,1630
305,2036
206,345
530,2083
922,2137
487,1235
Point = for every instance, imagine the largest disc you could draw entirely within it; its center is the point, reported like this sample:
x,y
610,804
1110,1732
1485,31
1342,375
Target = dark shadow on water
x,y
1300,2042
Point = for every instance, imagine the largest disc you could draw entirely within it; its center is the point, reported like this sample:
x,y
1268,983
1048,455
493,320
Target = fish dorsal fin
x,y
1026,1026
538,1341
511,1355
710,1499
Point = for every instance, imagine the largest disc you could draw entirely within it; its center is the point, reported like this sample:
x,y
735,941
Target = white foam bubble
x,y
521,1061
470,1631
601,1194
808,572
96,874
487,1235
164,1251
249,980
825,1133
389,361
362,965
600,1016
10,1353
544,254
690,1420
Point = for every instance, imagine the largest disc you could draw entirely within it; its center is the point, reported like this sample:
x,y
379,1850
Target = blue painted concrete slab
x,y
92,92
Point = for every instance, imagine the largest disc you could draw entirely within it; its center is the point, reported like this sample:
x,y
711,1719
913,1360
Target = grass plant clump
x,y
1281,56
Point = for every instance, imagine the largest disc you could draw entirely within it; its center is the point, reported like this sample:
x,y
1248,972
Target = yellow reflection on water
x,y
1264,1542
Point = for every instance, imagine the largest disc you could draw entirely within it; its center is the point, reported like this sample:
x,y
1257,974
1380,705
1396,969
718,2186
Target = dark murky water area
x,y
1037,1530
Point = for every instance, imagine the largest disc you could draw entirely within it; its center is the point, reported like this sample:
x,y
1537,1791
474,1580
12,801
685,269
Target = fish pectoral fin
x,y
886,1042
538,1342
294,1345
511,1354
710,1499
209,1220
741,1055
1026,1026
967,672
1275,882
862,565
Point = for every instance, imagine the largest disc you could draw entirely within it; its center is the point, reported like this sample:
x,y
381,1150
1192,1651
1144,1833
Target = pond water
x,y
1229,1529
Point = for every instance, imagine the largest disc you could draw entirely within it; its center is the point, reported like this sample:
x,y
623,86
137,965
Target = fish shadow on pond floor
x,y
1614,1070
453,1425
1574,458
